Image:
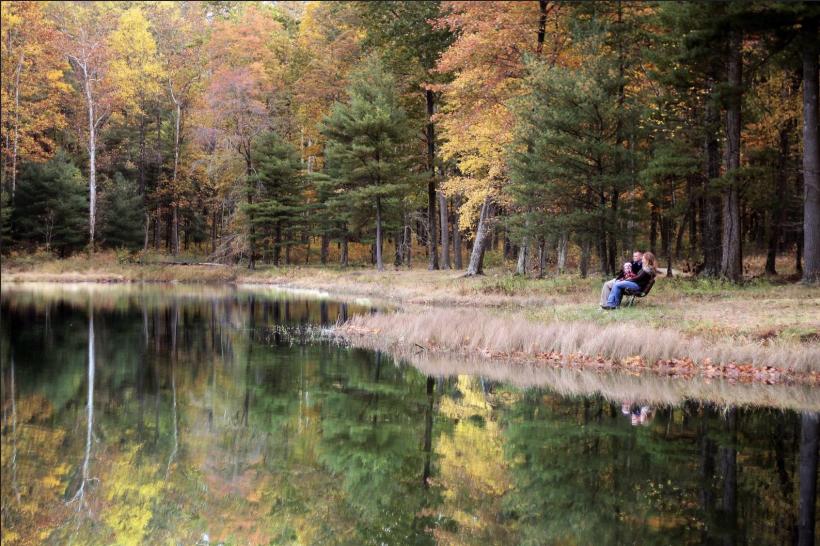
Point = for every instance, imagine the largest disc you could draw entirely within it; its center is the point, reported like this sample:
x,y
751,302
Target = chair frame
x,y
633,294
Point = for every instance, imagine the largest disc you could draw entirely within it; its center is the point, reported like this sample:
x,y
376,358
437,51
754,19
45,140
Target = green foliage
x,y
121,216
51,205
368,146
278,206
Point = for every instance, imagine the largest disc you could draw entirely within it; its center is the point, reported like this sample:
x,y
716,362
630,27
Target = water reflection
x,y
152,416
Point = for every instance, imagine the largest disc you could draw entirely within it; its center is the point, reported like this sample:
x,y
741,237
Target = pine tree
x,y
568,162
122,215
368,141
51,205
277,212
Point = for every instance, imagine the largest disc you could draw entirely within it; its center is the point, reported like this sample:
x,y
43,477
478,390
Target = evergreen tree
x,y
368,141
51,205
122,215
569,164
277,212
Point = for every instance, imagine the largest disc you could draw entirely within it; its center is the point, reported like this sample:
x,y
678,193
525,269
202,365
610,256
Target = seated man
x,y
637,265
639,283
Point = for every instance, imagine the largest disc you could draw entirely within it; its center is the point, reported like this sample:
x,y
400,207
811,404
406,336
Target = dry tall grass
x,y
478,331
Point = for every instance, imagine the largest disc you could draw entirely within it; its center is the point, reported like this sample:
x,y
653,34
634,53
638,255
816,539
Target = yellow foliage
x,y
136,70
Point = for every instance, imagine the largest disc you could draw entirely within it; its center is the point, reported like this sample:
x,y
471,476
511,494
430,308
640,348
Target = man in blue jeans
x,y
638,283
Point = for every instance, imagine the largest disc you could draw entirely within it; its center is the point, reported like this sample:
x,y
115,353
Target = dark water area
x,y
149,415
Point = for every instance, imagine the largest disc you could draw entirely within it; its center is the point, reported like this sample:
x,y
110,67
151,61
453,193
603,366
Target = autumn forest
x,y
415,133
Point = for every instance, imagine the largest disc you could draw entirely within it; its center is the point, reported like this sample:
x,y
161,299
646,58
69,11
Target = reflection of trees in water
x,y
316,443
580,477
808,478
79,496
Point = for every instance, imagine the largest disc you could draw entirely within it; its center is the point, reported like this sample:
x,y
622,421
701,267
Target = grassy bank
x,y
763,322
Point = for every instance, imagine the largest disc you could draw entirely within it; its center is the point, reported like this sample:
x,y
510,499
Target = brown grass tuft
x,y
477,331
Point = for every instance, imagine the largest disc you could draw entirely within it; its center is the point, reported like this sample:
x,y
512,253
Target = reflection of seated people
x,y
639,415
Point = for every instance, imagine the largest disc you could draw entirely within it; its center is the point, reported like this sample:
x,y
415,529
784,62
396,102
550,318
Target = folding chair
x,y
632,294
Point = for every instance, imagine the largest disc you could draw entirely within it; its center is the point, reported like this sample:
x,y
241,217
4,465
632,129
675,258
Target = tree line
x,y
283,132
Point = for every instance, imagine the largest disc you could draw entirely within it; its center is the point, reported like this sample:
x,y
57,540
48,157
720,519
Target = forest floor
x,y
684,324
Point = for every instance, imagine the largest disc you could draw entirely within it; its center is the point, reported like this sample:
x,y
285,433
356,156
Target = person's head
x,y
637,255
648,259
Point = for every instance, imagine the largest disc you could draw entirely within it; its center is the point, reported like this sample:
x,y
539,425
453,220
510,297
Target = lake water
x,y
159,415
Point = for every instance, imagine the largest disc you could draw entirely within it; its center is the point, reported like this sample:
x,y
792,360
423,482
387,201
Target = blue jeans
x,y
618,292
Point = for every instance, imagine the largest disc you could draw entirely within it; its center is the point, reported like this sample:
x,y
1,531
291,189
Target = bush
x,y
51,206
121,215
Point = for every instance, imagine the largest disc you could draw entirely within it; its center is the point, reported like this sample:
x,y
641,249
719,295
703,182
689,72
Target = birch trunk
x,y
477,255
456,234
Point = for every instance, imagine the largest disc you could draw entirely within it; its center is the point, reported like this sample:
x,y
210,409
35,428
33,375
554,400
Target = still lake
x,y
206,415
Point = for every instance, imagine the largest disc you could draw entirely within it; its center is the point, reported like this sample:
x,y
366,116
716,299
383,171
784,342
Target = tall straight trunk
x,y
379,262
398,255
653,227
779,205
213,232
583,266
175,235
277,244
563,243
521,264
324,249
157,220
542,257
808,478
251,227
731,266
431,185
343,255
445,231
811,156
481,238
92,160
456,233
16,137
710,217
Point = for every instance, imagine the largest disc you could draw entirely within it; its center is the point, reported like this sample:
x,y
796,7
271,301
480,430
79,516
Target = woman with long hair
x,y
637,283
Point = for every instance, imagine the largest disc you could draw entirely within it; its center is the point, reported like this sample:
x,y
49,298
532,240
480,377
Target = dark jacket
x,y
636,266
643,278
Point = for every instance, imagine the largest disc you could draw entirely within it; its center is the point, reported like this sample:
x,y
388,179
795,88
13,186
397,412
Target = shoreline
x,y
758,334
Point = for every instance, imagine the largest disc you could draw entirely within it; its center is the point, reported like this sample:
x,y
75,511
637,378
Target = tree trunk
x,y
324,249
431,185
92,160
343,255
445,231
563,244
16,138
811,156
174,230
175,235
251,227
585,252
731,261
521,265
379,262
779,205
456,233
710,217
542,258
481,236
808,478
